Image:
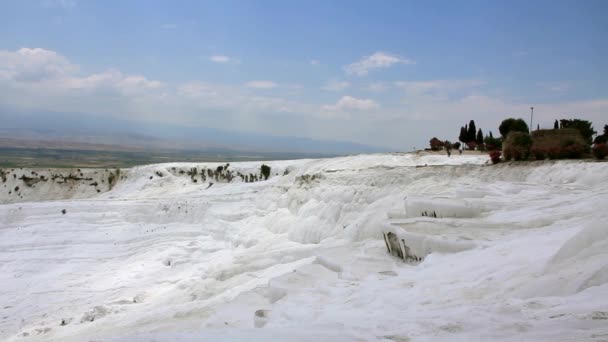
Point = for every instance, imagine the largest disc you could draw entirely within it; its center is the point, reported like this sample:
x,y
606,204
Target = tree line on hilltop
x,y
569,138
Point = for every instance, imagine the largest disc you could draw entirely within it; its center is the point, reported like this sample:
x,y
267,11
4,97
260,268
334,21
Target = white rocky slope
x,y
516,252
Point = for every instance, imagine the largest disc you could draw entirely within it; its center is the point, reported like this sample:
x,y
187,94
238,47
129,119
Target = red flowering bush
x,y
495,157
600,151
558,144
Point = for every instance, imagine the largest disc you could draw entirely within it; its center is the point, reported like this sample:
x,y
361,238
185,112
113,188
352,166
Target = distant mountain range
x,y
65,131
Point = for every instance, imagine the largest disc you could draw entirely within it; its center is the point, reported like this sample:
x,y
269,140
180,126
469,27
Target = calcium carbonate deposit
x,y
216,252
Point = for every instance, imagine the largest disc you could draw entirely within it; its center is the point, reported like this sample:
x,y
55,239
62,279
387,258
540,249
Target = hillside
x,y
185,251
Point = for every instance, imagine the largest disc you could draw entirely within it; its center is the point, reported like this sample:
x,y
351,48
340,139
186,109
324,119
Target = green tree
x,y
556,124
265,171
512,125
462,137
602,139
583,126
471,131
517,146
492,144
479,139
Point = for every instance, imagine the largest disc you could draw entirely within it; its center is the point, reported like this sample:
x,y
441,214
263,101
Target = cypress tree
x,y
471,131
462,135
556,124
479,139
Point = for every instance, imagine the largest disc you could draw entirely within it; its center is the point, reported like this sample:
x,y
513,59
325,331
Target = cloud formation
x,y
223,59
261,84
31,65
379,60
346,103
402,113
39,68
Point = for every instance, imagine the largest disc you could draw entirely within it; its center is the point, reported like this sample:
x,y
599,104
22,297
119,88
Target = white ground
x,y
517,252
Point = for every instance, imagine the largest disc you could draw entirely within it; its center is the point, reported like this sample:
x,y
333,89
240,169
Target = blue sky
x,y
388,73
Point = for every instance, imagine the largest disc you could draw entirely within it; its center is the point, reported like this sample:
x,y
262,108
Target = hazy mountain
x,y
77,128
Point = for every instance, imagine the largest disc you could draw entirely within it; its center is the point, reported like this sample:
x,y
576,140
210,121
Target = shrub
x,y
495,156
573,150
436,144
265,170
600,151
517,146
113,178
512,125
456,145
538,153
600,139
583,126
558,143
471,145
493,144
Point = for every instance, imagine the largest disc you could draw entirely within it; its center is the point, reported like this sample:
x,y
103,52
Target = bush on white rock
x,y
439,207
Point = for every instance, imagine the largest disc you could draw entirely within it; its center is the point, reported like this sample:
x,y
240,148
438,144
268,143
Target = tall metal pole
x,y
531,117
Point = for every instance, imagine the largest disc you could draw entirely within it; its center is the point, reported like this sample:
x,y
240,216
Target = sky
x,y
385,73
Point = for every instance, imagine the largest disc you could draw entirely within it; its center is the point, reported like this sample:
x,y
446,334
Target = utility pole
x,y
531,117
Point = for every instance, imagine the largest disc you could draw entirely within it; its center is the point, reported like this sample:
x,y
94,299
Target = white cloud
x,y
235,100
43,79
40,70
347,103
378,60
30,65
261,84
58,85
223,59
112,80
335,85
194,90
